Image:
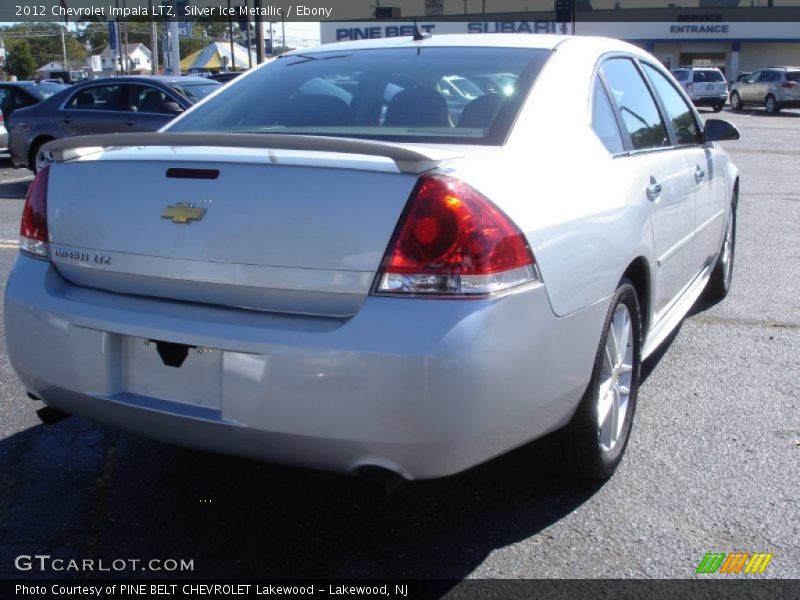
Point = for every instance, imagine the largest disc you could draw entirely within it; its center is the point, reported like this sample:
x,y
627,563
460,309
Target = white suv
x,y
706,86
773,88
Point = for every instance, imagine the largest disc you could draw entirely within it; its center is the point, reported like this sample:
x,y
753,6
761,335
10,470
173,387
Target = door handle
x,y
130,122
66,121
653,190
699,174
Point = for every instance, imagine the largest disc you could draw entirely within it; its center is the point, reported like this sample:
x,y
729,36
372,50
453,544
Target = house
x,y
74,72
137,58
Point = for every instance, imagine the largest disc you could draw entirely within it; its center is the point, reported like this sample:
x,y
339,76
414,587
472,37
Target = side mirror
x,y
717,130
171,108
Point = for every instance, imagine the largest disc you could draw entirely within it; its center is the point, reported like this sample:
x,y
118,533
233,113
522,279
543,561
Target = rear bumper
x,y
18,150
710,100
425,388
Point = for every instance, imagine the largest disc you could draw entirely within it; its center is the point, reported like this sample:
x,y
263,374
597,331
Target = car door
x,y
702,178
6,101
661,176
144,108
747,88
769,81
92,109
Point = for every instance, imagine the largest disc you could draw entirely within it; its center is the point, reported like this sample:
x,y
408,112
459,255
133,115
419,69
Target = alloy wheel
x,y
727,251
615,379
770,104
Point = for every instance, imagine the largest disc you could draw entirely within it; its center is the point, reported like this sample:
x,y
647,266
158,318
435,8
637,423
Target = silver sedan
x,y
329,263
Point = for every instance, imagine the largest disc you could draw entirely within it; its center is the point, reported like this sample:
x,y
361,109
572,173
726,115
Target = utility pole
x,y
118,37
153,41
230,36
127,58
174,45
64,47
259,32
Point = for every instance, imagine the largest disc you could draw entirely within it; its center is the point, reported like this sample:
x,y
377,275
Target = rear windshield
x,y
446,95
712,75
681,75
42,91
793,75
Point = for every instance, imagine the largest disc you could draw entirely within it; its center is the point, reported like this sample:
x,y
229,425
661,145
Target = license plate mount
x,y
161,370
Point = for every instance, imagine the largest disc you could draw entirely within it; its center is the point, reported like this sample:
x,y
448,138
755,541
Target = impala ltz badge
x,y
183,212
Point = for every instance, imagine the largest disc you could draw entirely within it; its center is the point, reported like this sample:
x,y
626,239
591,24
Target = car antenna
x,y
418,35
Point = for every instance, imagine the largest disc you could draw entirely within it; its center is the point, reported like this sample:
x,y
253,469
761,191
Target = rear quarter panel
x,y
582,210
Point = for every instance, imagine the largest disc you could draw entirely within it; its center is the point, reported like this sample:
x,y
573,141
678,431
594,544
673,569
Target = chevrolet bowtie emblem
x,y
183,212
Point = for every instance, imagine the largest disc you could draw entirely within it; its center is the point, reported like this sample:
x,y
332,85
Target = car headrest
x,y
418,107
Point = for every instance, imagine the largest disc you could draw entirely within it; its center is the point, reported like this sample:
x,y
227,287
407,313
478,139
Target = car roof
x,y
165,79
26,82
505,40
696,69
484,40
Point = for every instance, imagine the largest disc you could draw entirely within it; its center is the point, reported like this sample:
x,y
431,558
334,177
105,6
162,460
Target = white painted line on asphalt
x,y
15,242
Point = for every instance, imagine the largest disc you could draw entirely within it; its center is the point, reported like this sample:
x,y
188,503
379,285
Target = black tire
x,y
736,101
35,147
718,107
719,284
771,105
578,444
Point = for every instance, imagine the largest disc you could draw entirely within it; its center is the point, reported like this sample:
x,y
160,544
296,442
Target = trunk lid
x,y
289,231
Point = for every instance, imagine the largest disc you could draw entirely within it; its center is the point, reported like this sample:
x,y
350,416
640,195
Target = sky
x,y
298,35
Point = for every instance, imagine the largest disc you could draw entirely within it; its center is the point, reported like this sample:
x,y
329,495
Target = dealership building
x,y
682,37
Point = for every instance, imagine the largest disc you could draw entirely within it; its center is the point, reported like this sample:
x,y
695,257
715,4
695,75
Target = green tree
x,y
190,45
20,61
44,41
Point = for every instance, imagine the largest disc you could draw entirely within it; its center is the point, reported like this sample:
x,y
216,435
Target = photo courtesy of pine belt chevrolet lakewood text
x,y
404,256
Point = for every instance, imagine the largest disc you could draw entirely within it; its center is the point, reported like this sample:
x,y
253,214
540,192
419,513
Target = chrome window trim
x,y
629,151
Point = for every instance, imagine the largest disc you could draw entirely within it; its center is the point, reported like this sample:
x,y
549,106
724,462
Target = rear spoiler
x,y
407,161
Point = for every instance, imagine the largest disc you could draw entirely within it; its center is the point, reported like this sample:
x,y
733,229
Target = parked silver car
x,y
705,86
773,88
361,280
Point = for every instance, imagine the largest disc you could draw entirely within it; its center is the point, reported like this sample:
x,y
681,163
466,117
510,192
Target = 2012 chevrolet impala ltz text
x,y
408,254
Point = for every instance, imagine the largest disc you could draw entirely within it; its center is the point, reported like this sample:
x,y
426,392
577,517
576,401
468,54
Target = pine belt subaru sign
x,y
333,31
367,30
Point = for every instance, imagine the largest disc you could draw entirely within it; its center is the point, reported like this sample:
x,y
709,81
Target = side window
x,y
753,77
766,76
101,97
635,103
604,122
681,116
145,99
681,75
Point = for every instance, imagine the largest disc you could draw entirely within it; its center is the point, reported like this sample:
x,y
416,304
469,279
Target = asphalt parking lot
x,y
712,465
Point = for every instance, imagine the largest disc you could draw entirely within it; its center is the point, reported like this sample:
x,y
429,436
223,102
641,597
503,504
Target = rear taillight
x,y
789,85
33,229
452,240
